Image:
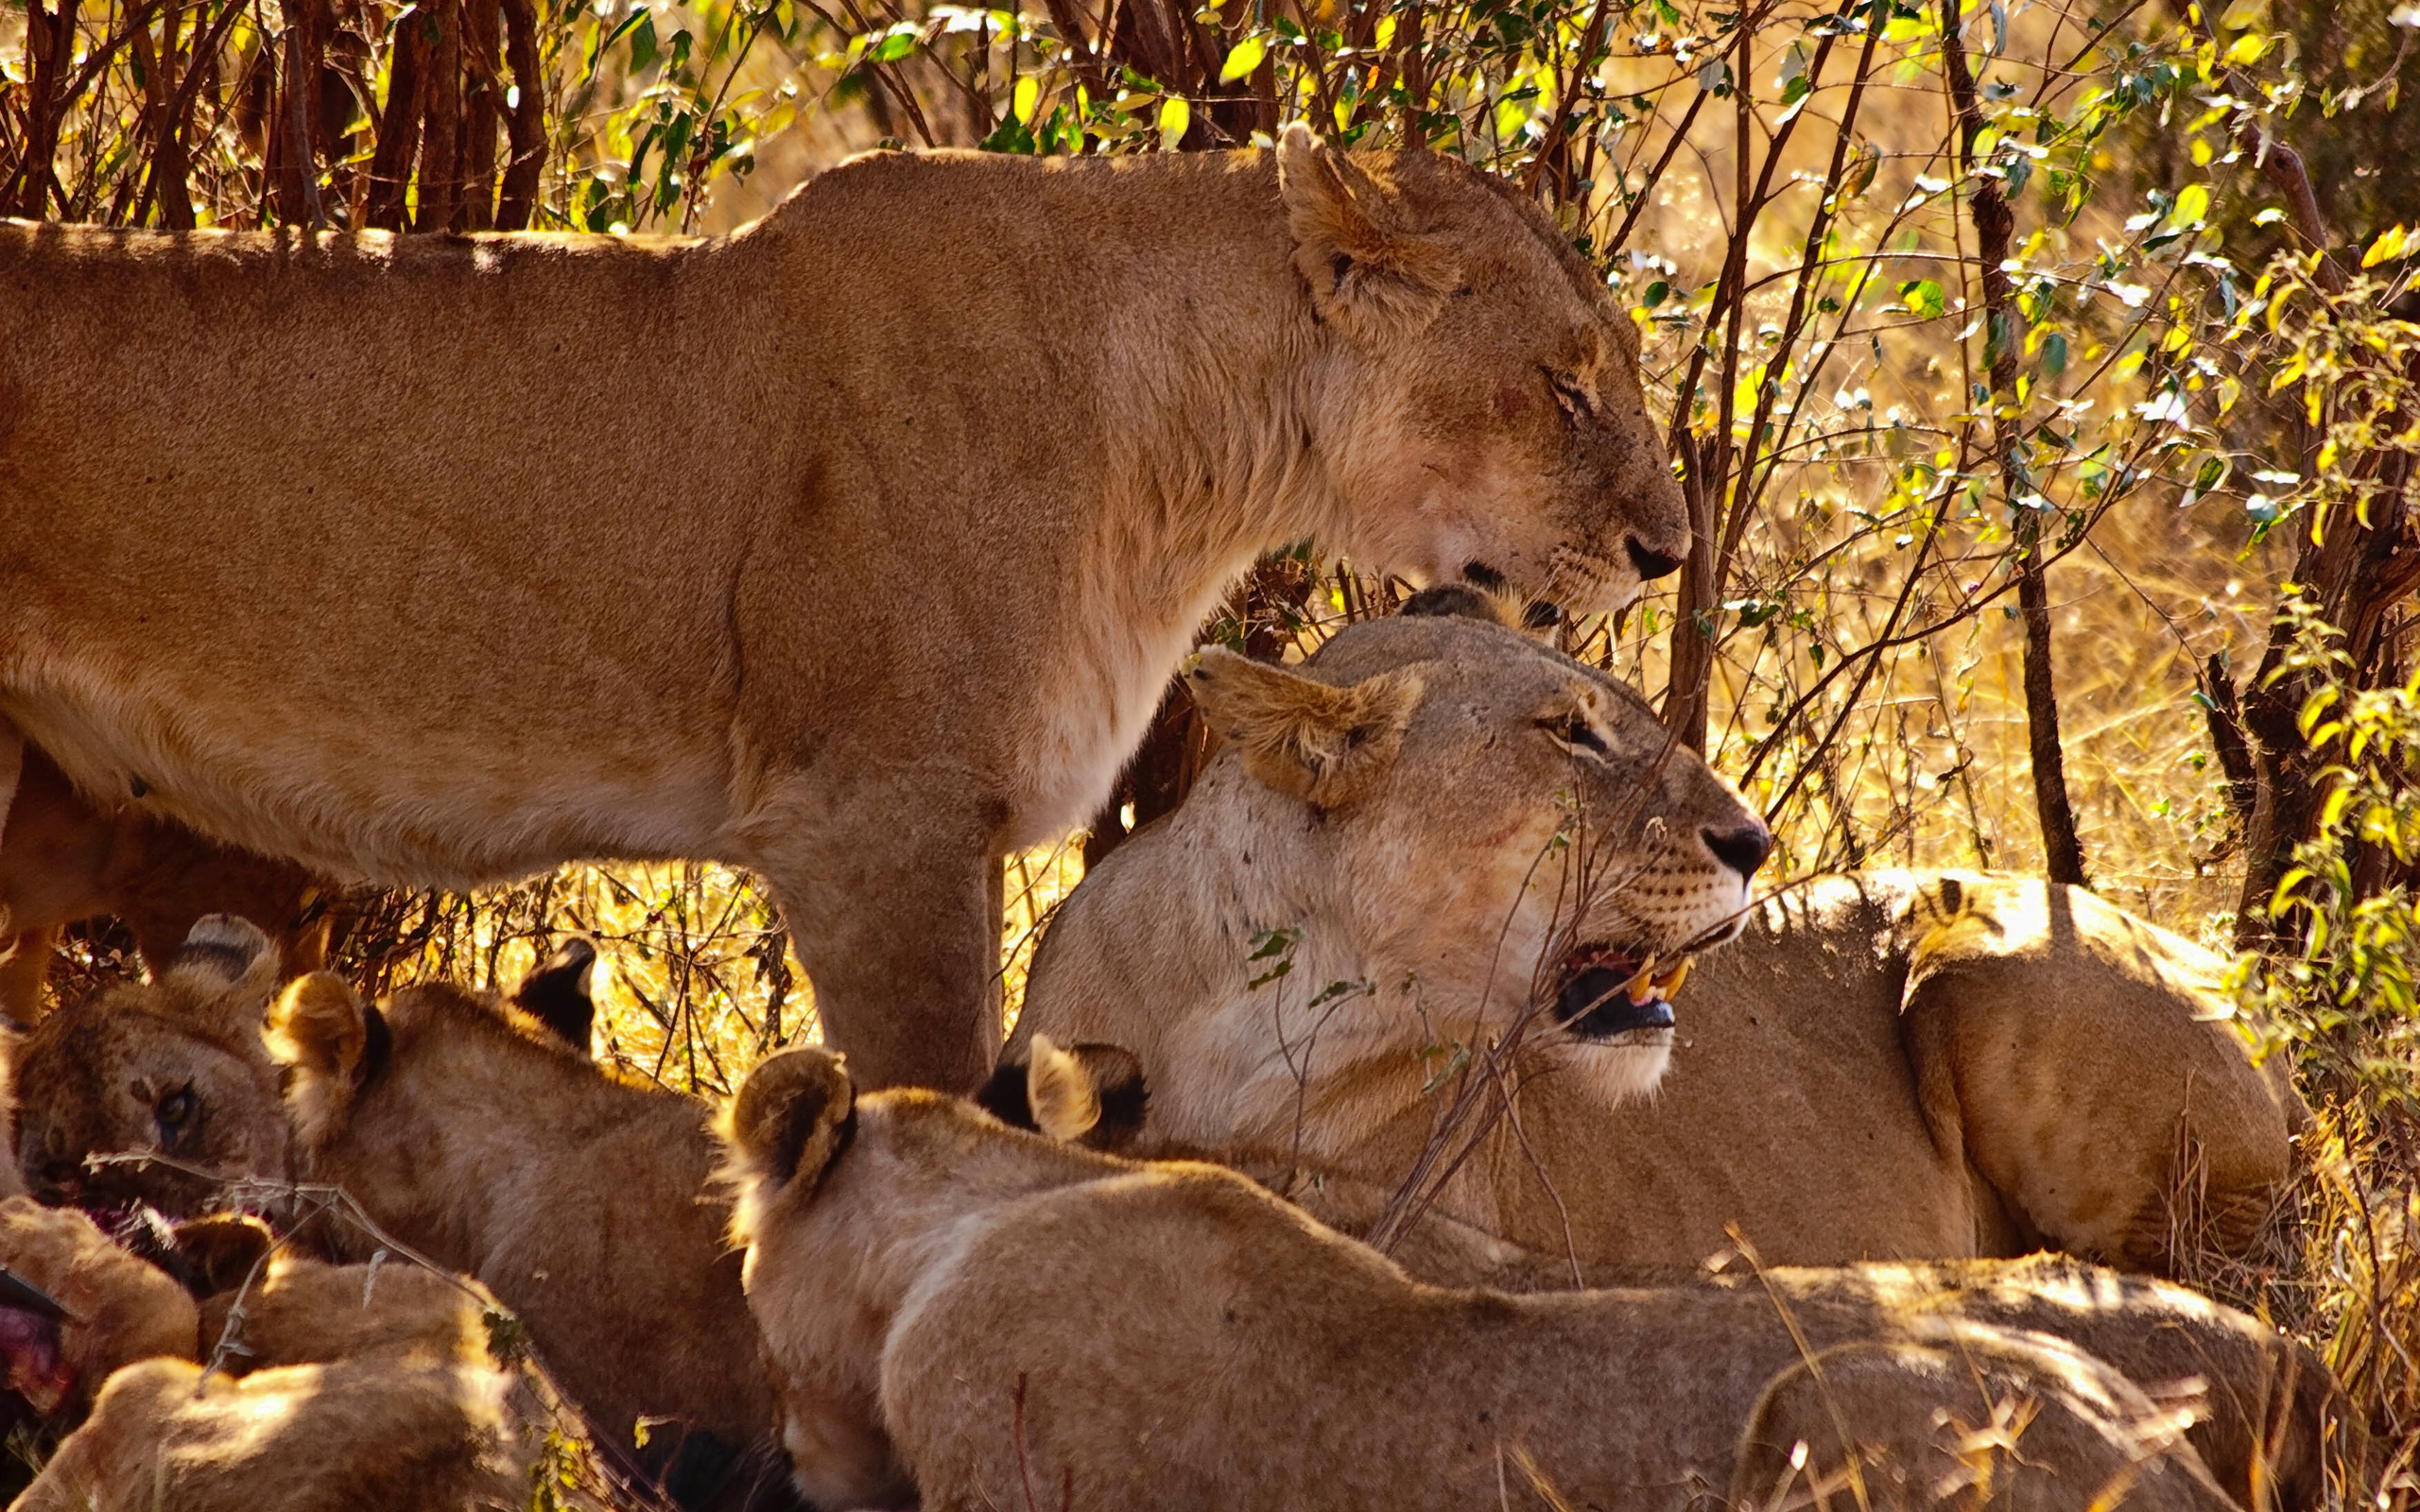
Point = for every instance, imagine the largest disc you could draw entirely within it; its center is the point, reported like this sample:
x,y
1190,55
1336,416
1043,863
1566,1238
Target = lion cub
x,y
961,1312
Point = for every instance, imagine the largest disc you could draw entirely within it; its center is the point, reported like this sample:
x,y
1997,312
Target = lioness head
x,y
1487,822
1489,424
174,1066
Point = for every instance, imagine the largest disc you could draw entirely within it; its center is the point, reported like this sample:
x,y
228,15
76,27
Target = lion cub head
x,y
1487,422
182,1067
1454,824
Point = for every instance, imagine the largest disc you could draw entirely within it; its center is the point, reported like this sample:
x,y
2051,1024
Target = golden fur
x,y
1067,399
952,1304
62,858
467,1130
348,1389
2270,1402
1431,910
119,1309
1888,1065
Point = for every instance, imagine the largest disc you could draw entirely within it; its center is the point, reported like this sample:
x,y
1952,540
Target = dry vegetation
x,y
2026,355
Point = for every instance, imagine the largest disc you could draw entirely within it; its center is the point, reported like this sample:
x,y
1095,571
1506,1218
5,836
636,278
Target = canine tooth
x,y
1671,984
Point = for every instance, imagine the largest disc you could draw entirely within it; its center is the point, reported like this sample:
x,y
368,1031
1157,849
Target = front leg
x,y
900,935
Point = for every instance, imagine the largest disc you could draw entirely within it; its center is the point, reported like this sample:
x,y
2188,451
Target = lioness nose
x,y
1650,563
1742,849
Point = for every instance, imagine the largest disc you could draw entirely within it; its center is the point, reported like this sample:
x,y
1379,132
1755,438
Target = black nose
x,y
1742,849
1652,563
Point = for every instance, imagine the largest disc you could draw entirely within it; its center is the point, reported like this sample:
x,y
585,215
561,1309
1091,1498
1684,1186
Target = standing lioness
x,y
864,538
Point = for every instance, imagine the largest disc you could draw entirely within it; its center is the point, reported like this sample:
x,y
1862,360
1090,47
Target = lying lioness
x,y
464,1128
965,1309
1070,399
1887,1065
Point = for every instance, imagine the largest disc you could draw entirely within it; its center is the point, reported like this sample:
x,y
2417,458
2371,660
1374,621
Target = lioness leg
x,y
901,948
23,968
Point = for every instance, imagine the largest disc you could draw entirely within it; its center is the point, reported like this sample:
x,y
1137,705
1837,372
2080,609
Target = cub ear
x,y
323,1026
220,1251
556,993
1300,736
223,956
1369,272
1453,601
793,1116
1091,1095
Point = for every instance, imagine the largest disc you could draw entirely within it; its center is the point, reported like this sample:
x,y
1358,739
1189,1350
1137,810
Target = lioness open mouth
x,y
1609,993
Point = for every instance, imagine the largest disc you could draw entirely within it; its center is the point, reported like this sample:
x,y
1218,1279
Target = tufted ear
x,y
1369,270
1091,1094
219,1251
556,993
793,1116
323,1024
223,954
1300,736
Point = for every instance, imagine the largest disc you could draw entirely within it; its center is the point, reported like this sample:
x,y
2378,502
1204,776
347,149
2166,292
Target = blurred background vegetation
x,y
2043,375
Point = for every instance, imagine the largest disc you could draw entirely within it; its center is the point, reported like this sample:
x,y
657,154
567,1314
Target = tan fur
x,y
423,1437
1070,399
62,858
1889,1065
975,1309
119,1309
2270,1402
480,1139
1431,908
113,1073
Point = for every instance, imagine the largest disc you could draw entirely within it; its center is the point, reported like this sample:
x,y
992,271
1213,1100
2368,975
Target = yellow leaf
x,y
1029,94
1175,115
2192,205
1246,57
2247,49
2390,243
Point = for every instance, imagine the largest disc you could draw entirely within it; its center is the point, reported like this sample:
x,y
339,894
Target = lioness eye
x,y
1575,731
175,1109
1569,393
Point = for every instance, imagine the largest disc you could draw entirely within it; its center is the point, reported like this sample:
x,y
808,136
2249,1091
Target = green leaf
x,y
2054,354
1925,298
1246,56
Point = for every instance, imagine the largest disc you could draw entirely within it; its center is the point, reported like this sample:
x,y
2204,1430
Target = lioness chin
x,y
954,1309
1002,430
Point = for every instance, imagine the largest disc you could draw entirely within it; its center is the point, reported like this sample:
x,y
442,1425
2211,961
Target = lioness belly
x,y
358,559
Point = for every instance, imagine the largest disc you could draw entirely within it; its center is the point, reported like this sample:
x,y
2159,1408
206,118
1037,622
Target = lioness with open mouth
x,y
994,435
958,1311
1884,1066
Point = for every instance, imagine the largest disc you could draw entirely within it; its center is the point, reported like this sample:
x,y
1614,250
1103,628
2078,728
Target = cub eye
x,y
175,1111
1575,731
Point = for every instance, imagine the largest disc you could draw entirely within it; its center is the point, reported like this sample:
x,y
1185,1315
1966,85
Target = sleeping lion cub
x,y
965,1313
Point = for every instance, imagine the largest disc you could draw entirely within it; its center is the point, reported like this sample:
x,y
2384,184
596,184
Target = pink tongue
x,y
35,1372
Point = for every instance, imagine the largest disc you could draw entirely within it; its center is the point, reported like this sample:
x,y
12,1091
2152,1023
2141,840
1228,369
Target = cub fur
x,y
1072,398
959,1309
463,1127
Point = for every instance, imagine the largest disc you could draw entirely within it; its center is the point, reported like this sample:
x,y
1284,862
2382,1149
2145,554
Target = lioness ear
x,y
219,1251
793,1116
556,993
1367,271
1300,736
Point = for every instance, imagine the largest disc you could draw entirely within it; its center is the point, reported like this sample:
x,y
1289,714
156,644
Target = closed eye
x,y
1570,394
1574,733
